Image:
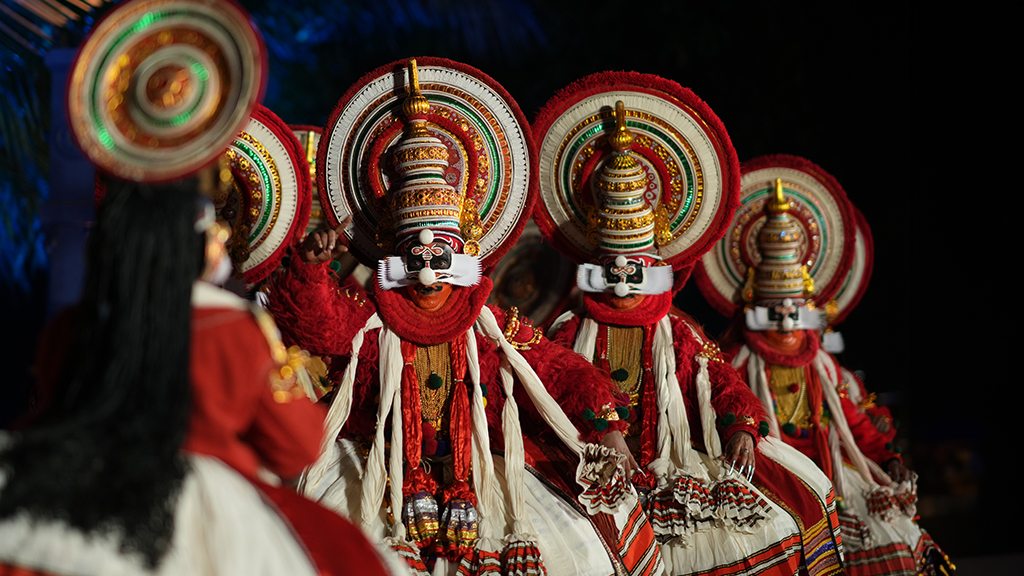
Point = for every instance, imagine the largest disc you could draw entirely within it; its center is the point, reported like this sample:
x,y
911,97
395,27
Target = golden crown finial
x,y
416,103
778,204
622,138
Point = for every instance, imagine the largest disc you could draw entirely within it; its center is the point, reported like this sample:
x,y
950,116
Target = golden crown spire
x,y
416,103
621,138
779,204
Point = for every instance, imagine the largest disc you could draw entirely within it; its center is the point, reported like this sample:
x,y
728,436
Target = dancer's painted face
x,y
429,298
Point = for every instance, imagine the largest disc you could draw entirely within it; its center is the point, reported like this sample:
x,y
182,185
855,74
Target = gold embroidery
x,y
514,324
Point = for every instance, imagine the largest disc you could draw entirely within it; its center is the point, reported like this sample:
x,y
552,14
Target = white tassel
x,y
673,422
397,454
515,456
712,442
339,412
375,474
838,480
586,339
542,400
757,376
828,386
484,483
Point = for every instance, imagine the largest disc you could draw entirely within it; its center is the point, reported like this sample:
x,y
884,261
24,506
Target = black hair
x,y
105,457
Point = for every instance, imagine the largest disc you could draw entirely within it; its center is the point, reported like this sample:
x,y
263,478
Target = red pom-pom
x,y
430,447
429,433
794,388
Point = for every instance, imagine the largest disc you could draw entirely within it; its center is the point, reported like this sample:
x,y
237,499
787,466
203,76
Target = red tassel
x,y
460,430
412,418
818,435
649,410
460,521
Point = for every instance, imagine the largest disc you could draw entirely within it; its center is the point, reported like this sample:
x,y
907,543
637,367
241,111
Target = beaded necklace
x,y
434,373
625,345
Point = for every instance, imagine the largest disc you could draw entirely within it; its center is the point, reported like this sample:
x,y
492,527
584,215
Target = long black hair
x,y
105,456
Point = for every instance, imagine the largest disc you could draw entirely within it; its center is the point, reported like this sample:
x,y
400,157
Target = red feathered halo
x,y
491,150
819,204
856,282
680,142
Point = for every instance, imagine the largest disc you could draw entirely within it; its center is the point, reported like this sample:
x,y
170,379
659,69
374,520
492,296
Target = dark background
x,y
909,105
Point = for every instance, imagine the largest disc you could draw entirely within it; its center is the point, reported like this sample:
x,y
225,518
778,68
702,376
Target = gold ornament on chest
x,y
624,360
434,374
789,388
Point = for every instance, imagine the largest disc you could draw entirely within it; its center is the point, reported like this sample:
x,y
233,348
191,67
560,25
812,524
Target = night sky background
x,y
908,105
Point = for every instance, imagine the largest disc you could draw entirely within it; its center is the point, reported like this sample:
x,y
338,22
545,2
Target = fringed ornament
x,y
419,508
459,521
856,533
600,473
521,557
409,554
738,506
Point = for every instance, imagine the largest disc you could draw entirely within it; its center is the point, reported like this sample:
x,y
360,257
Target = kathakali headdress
x,y
160,87
432,159
638,178
788,250
268,201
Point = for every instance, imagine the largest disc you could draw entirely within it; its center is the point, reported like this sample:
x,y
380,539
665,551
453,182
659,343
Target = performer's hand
x,y
881,422
324,245
739,454
897,471
615,441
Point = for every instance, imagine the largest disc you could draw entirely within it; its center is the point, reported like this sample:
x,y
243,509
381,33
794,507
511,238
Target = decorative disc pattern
x,y
160,87
488,142
269,204
691,166
309,139
857,279
821,211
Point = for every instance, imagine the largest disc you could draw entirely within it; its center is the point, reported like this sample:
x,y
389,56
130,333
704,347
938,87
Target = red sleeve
x,y
286,435
872,443
235,416
583,393
314,312
737,408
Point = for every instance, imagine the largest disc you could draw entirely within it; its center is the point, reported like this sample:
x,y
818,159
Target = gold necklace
x,y
434,374
624,365
791,406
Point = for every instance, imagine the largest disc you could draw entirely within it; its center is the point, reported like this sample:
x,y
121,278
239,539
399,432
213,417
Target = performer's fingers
x,y
344,224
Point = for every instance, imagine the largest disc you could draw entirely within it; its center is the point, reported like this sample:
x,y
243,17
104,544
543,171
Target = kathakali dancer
x,y
786,255
433,163
169,418
638,180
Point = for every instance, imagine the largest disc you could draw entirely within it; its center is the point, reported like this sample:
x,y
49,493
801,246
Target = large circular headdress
x,y
489,154
679,157
856,282
821,218
268,206
160,87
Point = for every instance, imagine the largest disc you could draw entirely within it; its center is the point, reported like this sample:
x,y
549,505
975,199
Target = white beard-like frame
x,y
464,271
657,280
758,321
